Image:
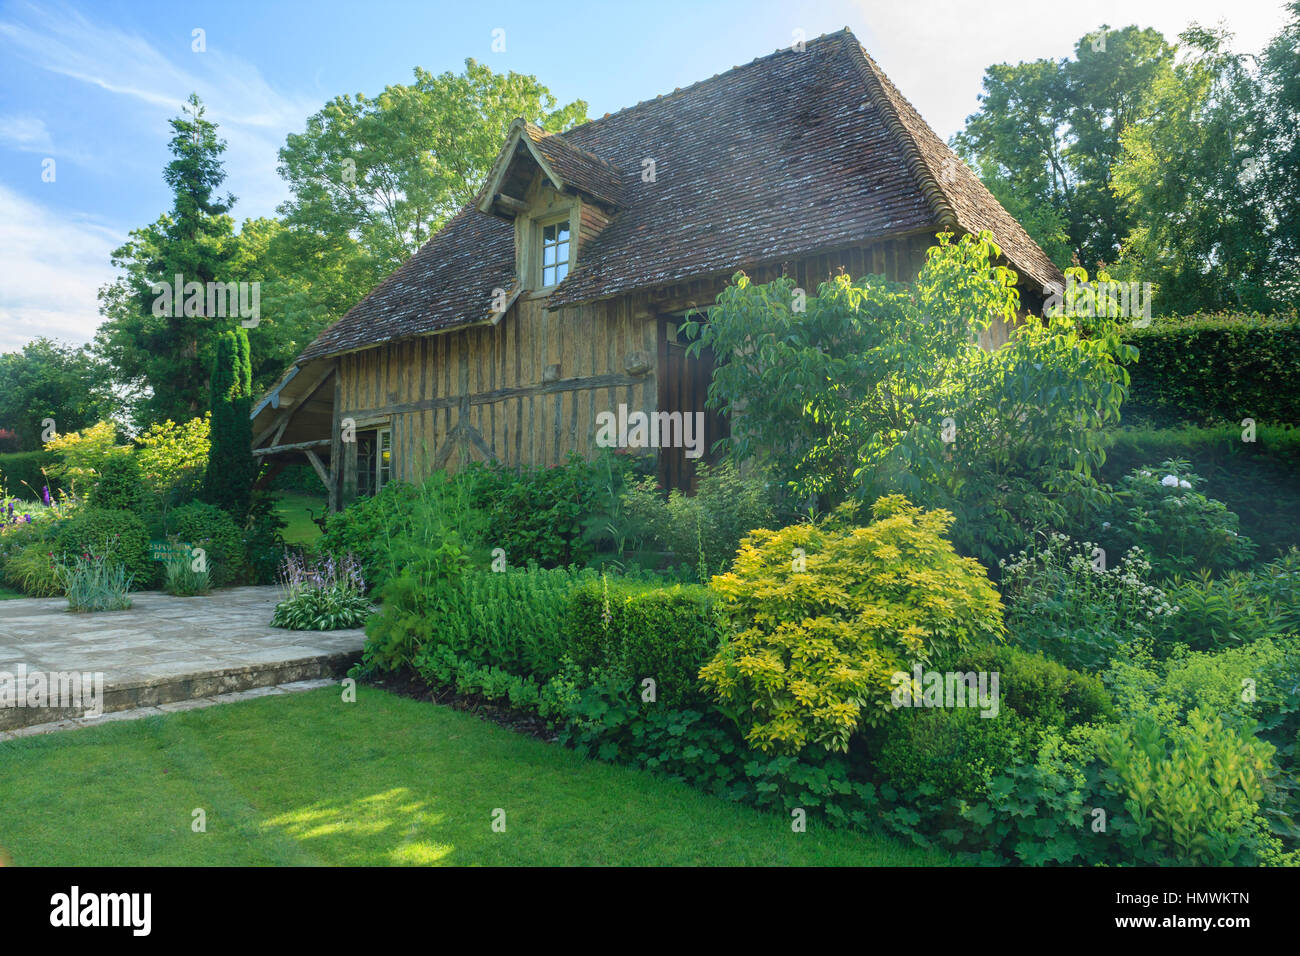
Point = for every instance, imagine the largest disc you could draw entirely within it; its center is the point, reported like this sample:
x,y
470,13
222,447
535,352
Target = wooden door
x,y
683,386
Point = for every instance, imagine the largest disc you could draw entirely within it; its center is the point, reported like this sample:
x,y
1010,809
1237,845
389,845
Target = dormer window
x,y
555,253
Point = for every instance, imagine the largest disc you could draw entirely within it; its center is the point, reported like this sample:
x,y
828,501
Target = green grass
x,y
308,779
7,594
293,507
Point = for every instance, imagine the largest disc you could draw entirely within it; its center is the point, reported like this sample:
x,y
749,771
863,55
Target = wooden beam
x,y
316,463
281,421
500,394
296,446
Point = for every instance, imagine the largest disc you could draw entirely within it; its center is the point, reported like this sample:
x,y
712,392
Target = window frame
x,y
542,224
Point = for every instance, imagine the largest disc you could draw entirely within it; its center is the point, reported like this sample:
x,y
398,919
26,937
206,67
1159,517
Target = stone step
x,y
177,688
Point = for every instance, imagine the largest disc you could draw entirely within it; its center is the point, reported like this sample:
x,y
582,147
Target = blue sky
x,y
91,86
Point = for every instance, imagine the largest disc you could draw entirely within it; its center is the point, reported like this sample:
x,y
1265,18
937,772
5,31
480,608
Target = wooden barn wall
x,y
480,392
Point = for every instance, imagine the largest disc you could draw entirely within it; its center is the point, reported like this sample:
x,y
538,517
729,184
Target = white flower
x,y
1184,484
1105,525
1169,481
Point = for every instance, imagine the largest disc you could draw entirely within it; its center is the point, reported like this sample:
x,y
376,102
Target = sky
x,y
87,88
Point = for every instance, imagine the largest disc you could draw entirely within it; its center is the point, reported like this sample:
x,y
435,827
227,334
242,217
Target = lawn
x,y
7,594
308,779
297,508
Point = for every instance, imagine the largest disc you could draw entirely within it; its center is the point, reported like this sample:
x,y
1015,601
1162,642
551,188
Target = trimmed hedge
x,y
646,631
25,466
1209,369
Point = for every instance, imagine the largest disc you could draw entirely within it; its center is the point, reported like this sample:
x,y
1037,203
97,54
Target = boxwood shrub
x,y
121,535
642,631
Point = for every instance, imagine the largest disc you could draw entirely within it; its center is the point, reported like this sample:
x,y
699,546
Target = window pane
x,y
548,255
563,232
561,271
548,234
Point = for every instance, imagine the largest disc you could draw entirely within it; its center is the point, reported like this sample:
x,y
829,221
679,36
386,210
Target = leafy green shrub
x,y
203,525
1160,511
1192,789
1063,599
702,530
639,631
954,750
699,746
118,536
119,485
550,516
1218,613
95,581
824,617
1215,368
1042,691
410,599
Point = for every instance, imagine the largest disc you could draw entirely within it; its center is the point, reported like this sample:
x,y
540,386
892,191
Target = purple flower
x,y
27,518
45,495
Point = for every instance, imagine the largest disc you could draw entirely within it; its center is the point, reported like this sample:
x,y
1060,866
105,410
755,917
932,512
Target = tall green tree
x,y
1193,183
50,380
228,483
161,354
380,175
1047,135
1280,79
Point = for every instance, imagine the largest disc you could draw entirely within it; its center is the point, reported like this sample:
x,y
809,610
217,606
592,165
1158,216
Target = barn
x,y
554,299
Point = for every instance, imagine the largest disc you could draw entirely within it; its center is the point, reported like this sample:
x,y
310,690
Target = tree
x,y
1047,135
388,172
48,380
1280,78
228,483
879,388
1192,183
162,354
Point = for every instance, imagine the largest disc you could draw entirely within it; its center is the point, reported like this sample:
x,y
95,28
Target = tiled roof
x,y
578,168
790,155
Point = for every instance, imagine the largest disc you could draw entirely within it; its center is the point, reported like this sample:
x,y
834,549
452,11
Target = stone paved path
x,y
165,650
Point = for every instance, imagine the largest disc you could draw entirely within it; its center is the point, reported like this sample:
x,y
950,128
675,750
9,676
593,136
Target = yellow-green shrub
x,y
824,615
1194,788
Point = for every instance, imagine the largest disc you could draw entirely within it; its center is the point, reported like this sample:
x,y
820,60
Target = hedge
x,y
1210,369
641,631
25,466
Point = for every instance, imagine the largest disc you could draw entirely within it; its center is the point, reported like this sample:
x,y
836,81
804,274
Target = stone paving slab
x,y
165,650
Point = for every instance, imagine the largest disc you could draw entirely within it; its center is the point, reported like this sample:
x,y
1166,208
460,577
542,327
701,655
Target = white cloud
x,y
253,117
53,268
936,54
27,133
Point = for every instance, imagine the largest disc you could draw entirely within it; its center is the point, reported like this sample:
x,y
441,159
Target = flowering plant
x,y
320,595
